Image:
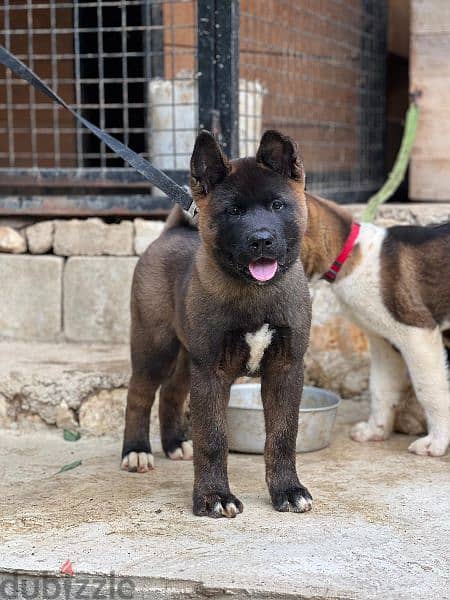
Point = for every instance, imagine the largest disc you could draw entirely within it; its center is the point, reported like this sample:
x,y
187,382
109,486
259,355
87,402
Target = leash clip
x,y
192,210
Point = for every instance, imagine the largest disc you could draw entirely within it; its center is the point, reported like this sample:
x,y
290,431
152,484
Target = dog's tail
x,y
178,218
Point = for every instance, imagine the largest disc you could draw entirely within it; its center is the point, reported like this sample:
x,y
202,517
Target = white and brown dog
x,y
395,284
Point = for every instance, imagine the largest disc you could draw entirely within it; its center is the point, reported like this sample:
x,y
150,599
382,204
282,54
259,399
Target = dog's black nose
x,y
261,240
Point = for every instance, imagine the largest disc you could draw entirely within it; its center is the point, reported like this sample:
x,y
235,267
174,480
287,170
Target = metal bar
x,y
153,63
85,205
96,177
101,77
31,91
62,30
206,67
227,73
218,83
61,4
125,107
9,94
55,114
172,97
71,56
76,39
153,39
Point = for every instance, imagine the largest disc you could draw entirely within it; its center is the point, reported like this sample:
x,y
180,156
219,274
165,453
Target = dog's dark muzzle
x,y
261,242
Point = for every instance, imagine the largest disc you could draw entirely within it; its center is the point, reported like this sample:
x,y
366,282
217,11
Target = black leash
x,y
151,173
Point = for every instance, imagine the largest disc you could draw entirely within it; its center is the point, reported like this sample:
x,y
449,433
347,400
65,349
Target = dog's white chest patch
x,y
258,342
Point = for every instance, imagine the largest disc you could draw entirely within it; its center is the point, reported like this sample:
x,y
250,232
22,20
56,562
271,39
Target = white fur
x,y
422,353
258,342
138,461
185,452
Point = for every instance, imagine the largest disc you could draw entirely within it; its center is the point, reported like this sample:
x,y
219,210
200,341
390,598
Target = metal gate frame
x,y
70,192
218,83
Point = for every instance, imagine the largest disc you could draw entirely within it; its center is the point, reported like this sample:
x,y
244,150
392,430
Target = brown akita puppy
x,y
207,310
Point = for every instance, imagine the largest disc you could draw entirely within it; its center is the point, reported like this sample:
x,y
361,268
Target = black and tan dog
x,y
206,311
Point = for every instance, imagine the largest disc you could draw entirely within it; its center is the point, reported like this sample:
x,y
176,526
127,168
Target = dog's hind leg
x,y
175,434
151,363
426,359
388,381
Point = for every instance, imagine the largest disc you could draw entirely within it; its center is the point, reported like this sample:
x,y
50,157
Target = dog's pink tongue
x,y
263,269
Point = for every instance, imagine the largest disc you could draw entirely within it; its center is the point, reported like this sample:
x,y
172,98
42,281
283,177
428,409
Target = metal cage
x,y
152,72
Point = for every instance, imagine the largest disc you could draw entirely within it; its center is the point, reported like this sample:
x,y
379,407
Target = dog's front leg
x,y
282,386
209,398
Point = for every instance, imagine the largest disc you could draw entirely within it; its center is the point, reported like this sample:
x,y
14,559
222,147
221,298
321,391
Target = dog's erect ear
x,y
279,153
209,165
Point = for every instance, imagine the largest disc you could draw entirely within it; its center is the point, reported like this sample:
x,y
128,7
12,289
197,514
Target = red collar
x,y
347,248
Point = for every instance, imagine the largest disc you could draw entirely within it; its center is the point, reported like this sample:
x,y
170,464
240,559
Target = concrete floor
x,y
379,527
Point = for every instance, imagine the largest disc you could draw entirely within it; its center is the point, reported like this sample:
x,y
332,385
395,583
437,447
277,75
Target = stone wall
x,y
69,280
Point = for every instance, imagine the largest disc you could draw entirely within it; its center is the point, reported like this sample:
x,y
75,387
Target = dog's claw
x,y
297,500
217,505
184,452
138,462
429,446
365,432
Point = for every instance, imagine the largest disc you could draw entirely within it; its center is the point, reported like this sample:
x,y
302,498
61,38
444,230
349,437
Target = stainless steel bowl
x,y
246,431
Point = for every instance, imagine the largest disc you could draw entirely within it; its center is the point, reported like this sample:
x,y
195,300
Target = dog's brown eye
x,y
277,205
235,210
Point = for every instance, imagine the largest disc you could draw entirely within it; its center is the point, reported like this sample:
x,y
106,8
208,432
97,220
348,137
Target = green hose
x,y
399,169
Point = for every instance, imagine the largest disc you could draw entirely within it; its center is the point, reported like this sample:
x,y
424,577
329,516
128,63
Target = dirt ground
x,y
379,527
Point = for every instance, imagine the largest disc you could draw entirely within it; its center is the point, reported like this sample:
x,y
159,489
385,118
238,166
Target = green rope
x,y
399,169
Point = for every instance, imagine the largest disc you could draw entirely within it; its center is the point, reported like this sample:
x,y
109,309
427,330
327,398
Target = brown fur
x,y
190,318
416,274
328,227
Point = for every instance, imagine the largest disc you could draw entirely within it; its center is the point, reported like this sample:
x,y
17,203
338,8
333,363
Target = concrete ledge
x,y
75,386
408,213
30,297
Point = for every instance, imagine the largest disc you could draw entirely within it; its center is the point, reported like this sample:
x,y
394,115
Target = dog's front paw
x,y
184,451
430,445
138,462
366,432
217,505
294,499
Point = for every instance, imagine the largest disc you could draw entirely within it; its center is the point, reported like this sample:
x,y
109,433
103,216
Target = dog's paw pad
x,y
184,452
138,462
365,432
429,446
217,505
297,500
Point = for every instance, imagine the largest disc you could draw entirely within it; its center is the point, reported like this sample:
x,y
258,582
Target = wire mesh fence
x,y
151,72
105,59
315,70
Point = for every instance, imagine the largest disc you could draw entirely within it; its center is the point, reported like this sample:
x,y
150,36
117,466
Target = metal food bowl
x,y
246,431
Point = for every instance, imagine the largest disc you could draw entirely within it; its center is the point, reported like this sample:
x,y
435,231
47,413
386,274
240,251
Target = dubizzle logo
x,y
15,586
67,568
